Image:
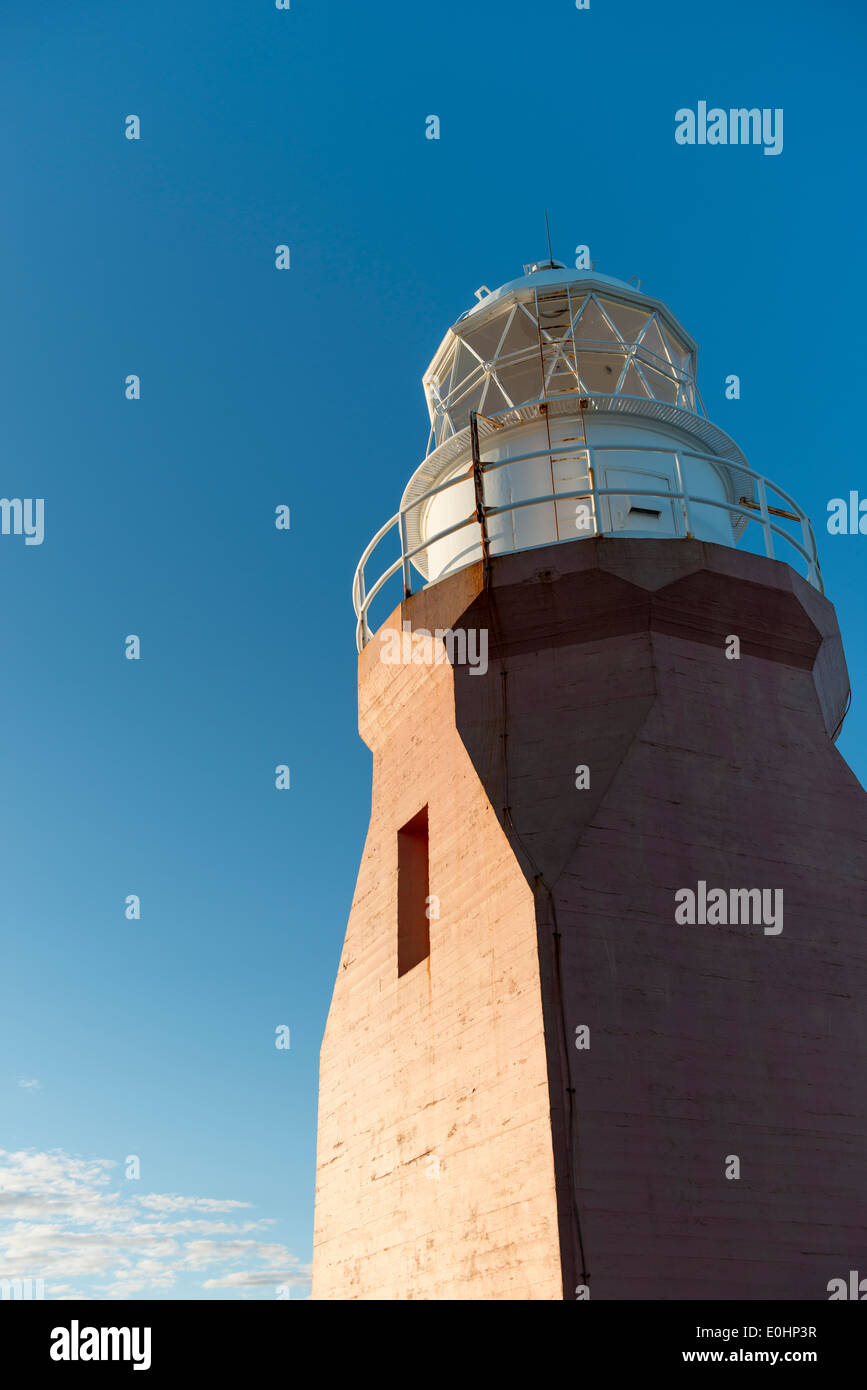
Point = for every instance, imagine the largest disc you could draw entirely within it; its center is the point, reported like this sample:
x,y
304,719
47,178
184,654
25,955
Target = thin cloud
x,y
260,1279
61,1220
172,1202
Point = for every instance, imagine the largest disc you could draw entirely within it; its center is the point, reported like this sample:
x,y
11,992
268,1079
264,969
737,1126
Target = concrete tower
x,y
598,1024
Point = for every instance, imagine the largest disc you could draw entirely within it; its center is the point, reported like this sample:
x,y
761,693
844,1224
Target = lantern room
x,y
565,405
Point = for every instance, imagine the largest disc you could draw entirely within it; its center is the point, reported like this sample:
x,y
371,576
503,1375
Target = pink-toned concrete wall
x,y
435,1175
558,911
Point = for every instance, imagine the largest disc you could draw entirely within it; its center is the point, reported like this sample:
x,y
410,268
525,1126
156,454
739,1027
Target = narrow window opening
x,y
413,926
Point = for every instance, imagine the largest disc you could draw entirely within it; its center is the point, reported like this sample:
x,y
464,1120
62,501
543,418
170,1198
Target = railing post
x,y
766,521
407,576
479,489
684,499
591,479
362,608
810,546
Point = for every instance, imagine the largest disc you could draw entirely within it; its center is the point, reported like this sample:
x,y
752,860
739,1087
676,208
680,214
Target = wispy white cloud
x,y
61,1220
29,1085
259,1279
171,1202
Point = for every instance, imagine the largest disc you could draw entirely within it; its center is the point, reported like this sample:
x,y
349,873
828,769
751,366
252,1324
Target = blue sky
x,y
259,387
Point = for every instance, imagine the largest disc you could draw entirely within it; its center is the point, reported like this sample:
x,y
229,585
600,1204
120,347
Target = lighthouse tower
x,y
598,1027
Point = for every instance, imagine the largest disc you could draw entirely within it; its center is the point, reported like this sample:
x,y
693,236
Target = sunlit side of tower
x,y
618,683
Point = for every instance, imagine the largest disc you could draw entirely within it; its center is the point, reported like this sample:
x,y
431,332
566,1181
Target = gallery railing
x,y
757,513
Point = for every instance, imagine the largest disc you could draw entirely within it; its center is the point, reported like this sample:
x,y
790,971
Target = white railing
x,y
756,513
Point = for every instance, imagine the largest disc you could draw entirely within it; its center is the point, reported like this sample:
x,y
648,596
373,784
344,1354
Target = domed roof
x,y
543,275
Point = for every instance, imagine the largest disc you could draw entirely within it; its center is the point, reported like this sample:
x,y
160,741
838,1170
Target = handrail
x,y
362,597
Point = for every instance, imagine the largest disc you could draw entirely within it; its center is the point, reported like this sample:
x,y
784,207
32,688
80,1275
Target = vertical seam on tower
x,y
539,881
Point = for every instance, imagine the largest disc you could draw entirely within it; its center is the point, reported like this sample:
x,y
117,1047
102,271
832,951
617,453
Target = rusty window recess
x,y
413,925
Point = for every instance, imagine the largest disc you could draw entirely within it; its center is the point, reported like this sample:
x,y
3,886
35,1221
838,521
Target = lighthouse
x,y
598,1024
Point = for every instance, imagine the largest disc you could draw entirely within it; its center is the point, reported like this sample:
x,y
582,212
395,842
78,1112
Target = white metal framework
x,y
553,340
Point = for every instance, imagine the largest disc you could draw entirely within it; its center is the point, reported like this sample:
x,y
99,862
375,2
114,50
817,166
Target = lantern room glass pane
x,y
441,380
592,326
485,339
577,300
680,355
522,334
523,380
562,376
442,428
493,400
652,342
628,321
600,371
664,388
555,317
633,384
460,411
465,365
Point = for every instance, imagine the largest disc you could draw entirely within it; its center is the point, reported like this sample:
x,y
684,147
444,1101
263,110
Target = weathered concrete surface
x,y
706,1041
435,1174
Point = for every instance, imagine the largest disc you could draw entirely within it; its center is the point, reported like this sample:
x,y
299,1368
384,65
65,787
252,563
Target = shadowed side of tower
x,y
706,1042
